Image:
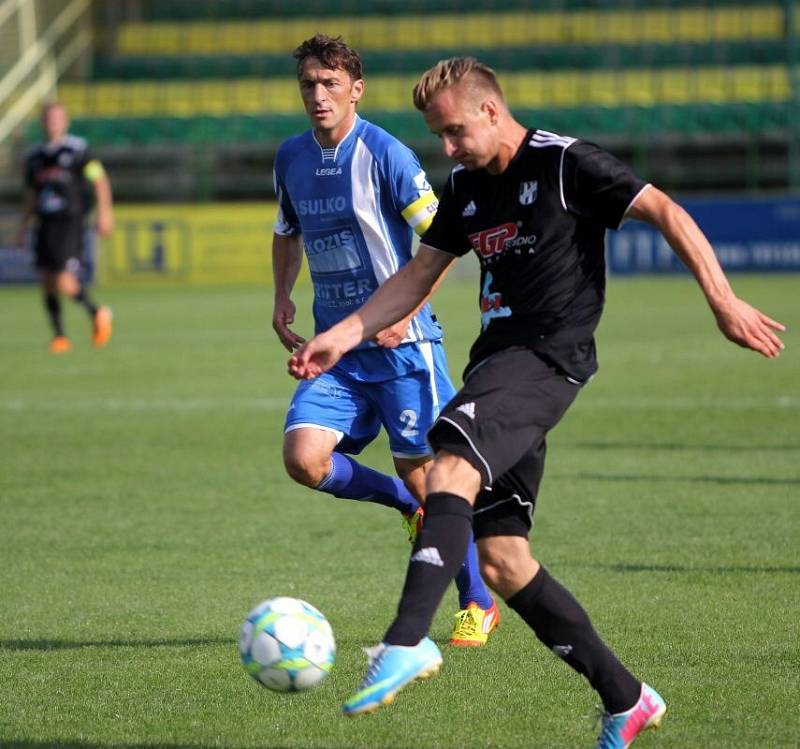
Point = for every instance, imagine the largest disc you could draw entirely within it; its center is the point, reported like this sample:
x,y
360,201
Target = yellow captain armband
x,y
93,170
420,213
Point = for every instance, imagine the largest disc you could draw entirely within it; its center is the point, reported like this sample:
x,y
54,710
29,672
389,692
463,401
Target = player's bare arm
x,y
739,322
392,336
287,259
105,209
398,297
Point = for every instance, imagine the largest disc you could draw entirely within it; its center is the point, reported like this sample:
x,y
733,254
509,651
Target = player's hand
x,y
283,316
314,358
105,225
750,328
393,336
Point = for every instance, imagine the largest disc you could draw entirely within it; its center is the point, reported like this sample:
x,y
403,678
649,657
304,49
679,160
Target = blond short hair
x,y
450,72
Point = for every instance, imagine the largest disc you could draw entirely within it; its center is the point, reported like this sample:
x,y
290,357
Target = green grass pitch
x,y
144,510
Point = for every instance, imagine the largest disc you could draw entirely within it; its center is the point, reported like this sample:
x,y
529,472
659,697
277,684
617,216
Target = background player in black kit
x,y
60,176
534,206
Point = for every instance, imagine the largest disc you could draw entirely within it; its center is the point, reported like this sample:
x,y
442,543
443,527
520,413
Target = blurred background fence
x,y
187,99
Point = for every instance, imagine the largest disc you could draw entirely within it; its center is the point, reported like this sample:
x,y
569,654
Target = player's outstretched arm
x,y
739,322
393,336
401,294
287,259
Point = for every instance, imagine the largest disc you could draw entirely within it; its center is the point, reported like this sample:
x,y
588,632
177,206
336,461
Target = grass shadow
x,y
733,480
725,569
45,644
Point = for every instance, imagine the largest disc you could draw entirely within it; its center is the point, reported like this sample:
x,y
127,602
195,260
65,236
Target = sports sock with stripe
x,y
561,623
438,553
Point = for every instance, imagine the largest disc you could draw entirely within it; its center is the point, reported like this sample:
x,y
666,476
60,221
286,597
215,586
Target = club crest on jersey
x,y
528,192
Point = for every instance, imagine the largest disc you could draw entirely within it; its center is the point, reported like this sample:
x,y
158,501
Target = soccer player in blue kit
x,y
352,195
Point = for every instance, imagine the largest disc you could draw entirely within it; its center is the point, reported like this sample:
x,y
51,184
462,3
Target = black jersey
x,y
539,232
55,172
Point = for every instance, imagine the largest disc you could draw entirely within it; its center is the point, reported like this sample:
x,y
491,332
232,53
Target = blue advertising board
x,y
755,235
17,263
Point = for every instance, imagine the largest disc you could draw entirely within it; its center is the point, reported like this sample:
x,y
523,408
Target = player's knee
x,y
506,564
305,467
67,284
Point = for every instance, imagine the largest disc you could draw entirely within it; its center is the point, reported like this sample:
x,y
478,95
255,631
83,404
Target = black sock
x,y
560,622
53,306
435,560
82,297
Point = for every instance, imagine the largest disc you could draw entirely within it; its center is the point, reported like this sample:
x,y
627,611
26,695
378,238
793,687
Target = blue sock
x,y
350,480
469,582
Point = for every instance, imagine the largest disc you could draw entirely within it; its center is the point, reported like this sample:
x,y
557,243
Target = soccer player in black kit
x,y
60,176
534,207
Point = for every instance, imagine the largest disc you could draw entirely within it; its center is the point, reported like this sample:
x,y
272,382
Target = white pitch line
x,y
146,404
278,404
690,404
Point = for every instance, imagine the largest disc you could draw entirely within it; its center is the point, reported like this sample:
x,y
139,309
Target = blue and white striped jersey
x,y
356,206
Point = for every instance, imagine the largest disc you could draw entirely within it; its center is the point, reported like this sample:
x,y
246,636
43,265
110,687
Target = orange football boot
x,y
60,345
101,334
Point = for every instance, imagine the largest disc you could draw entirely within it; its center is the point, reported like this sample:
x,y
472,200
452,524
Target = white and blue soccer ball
x,y
287,645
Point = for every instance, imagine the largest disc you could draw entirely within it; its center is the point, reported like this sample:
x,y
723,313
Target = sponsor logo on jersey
x,y
528,192
332,251
328,171
316,245
469,210
51,174
344,294
321,206
491,303
491,242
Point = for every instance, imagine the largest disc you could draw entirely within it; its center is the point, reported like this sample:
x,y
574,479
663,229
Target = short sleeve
x,y
446,232
286,222
413,196
596,185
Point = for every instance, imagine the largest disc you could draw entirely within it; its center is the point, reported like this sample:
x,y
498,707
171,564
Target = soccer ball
x,y
287,645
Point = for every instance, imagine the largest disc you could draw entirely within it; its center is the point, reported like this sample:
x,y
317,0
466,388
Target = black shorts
x,y
498,422
59,244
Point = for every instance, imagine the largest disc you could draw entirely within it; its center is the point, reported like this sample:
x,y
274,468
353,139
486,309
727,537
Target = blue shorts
x,y
403,389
